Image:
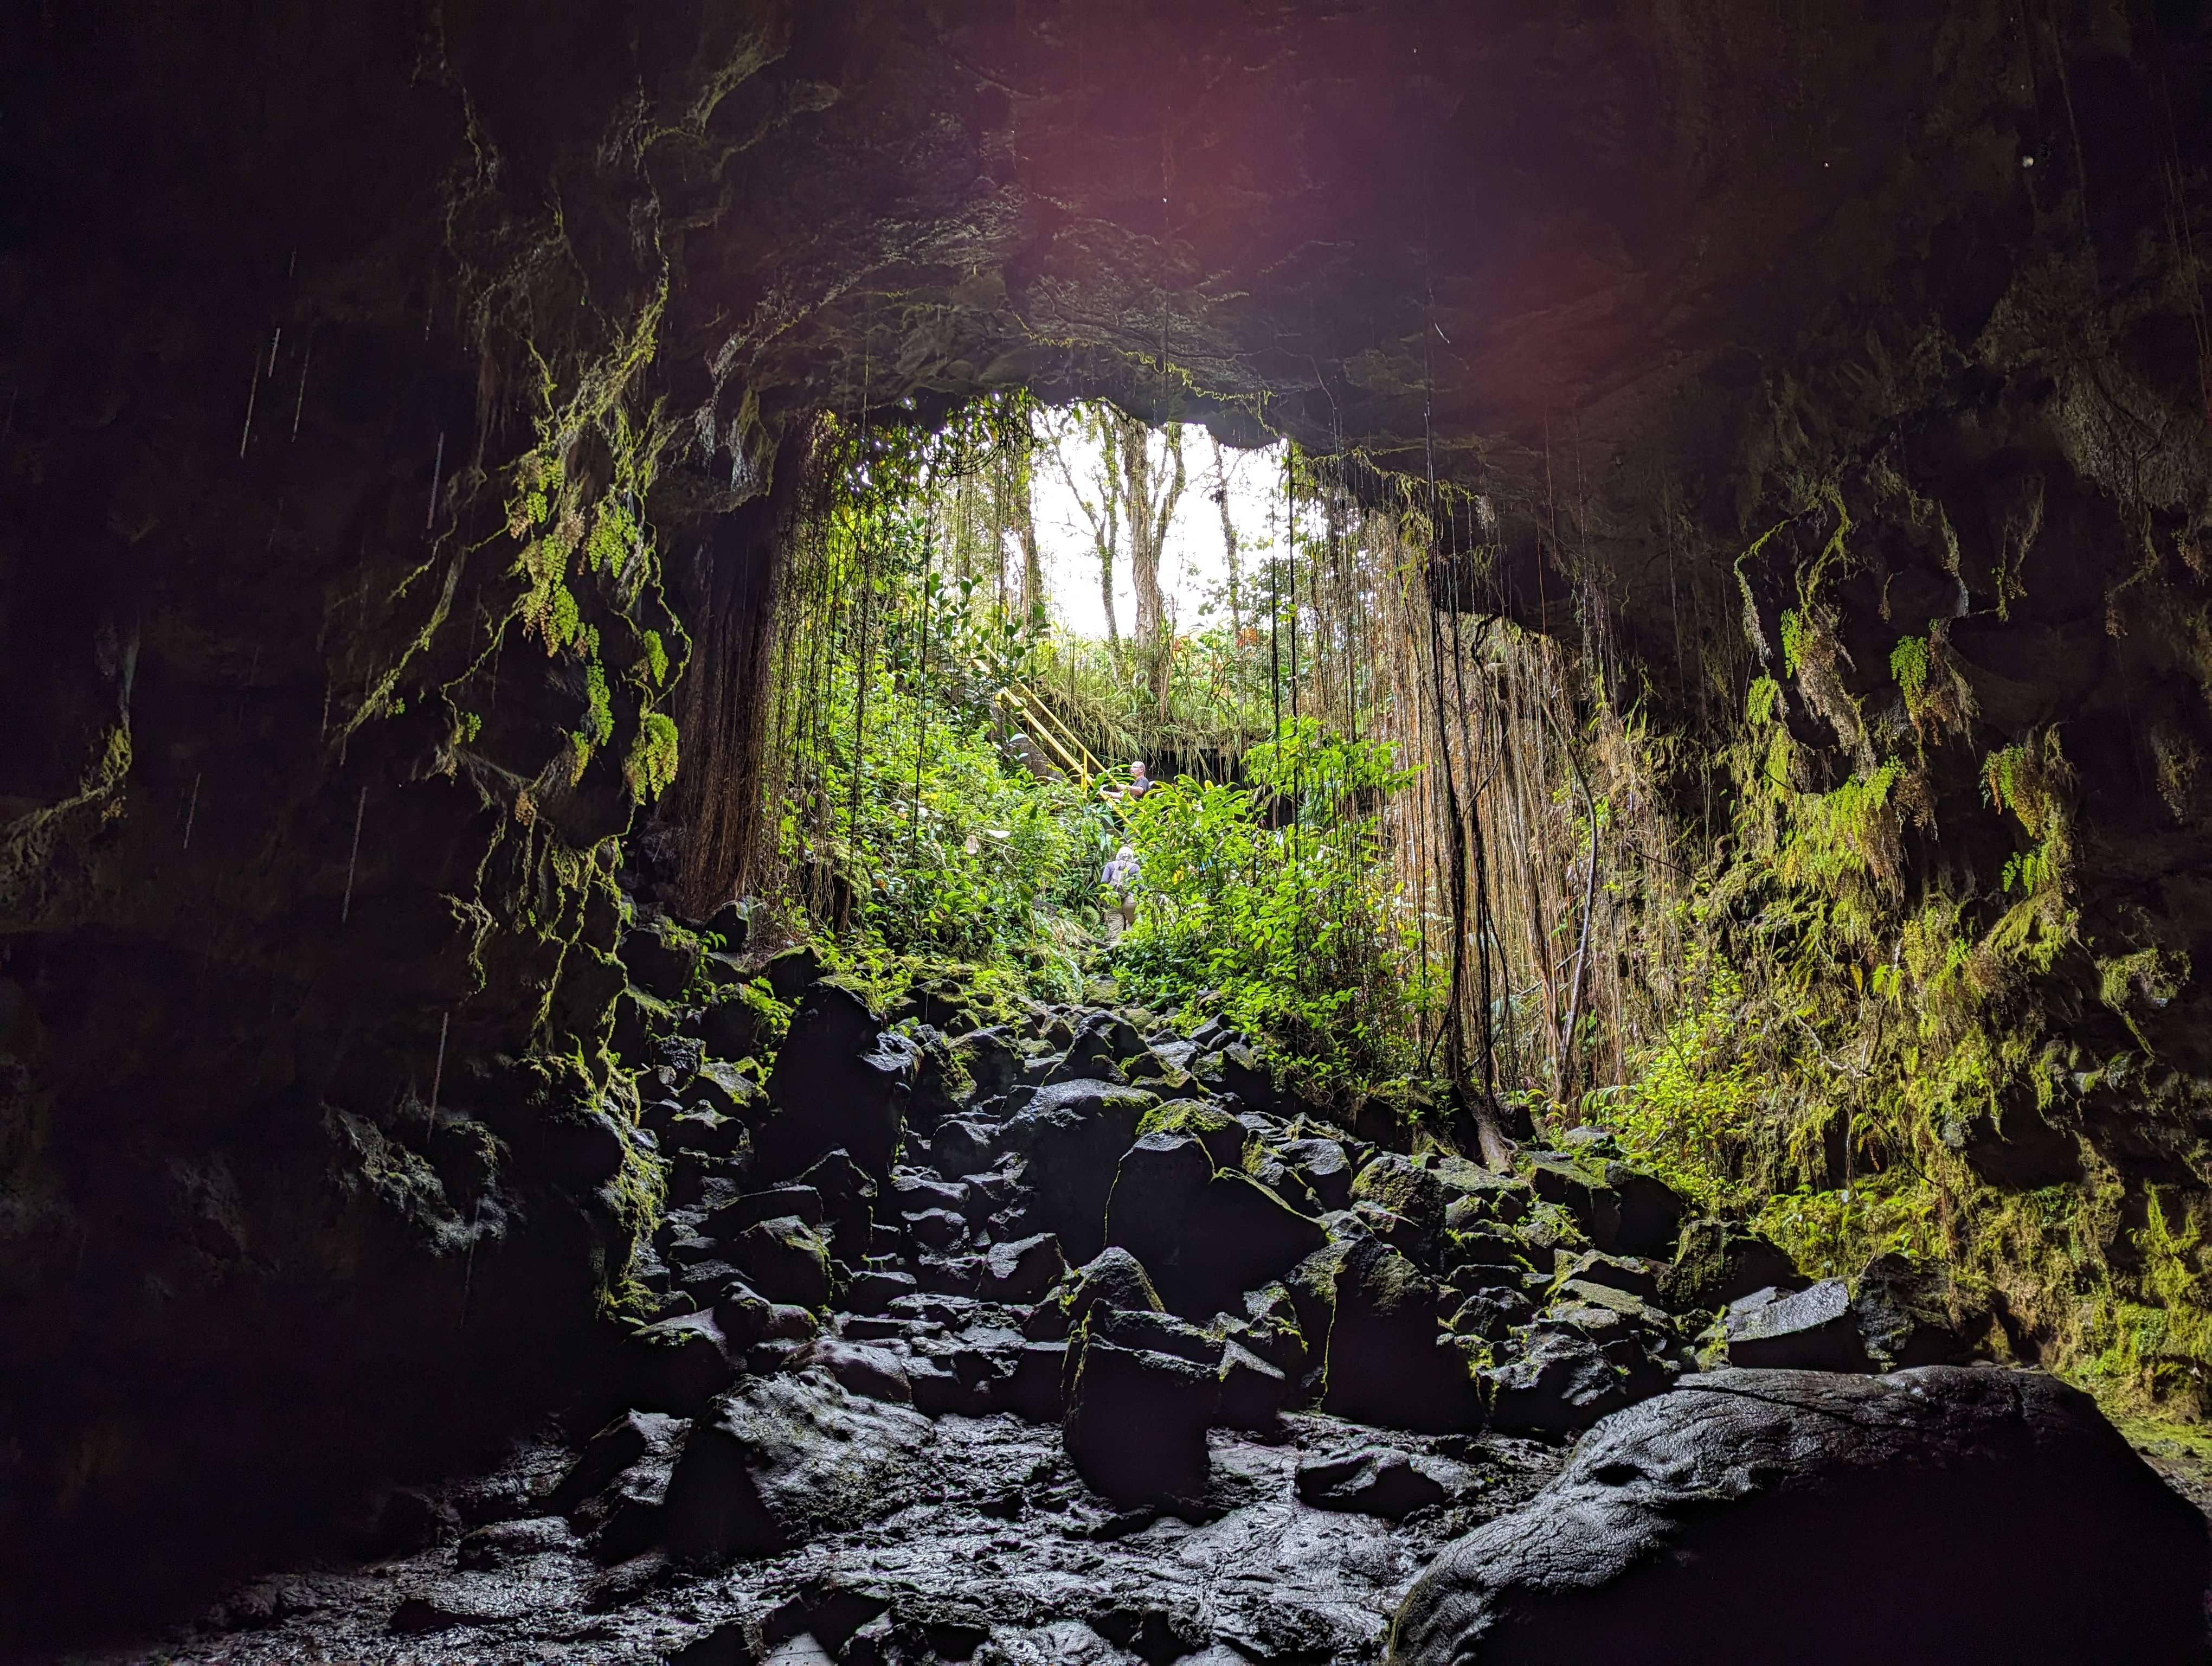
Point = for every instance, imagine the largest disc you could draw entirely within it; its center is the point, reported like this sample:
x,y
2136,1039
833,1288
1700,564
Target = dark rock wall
x,y
381,381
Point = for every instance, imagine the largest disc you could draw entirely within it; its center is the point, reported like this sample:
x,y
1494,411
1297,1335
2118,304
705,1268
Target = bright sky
x,y
1191,566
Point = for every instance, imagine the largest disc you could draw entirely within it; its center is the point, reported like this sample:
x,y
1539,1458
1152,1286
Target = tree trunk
x,y
1150,491
1229,548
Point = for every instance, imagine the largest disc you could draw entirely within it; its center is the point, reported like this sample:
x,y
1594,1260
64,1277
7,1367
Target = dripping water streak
x,y
345,909
190,810
437,471
253,388
437,1074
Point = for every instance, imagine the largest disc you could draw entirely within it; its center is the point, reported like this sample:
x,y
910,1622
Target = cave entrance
x,y
1371,831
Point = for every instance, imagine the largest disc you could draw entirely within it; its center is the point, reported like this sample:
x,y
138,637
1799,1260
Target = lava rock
x,y
1205,1234
961,1147
783,1458
1903,1315
1136,1422
1813,1329
1321,1164
839,1082
874,1290
1252,1390
848,1200
1491,1314
786,1261
1096,1050
660,958
871,1373
790,972
1020,1272
677,1365
499,1544
732,1028
1413,1194
615,1492
1626,1211
1113,1278
1718,1262
1221,1135
1561,1382
729,1092
1632,1276
1035,1385
991,1062
1389,1363
1072,1134
1938,1514
1378,1481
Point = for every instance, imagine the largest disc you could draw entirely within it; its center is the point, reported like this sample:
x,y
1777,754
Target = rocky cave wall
x,y
396,406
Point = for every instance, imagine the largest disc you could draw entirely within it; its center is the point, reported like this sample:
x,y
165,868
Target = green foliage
x,y
1292,930
1908,664
944,845
651,765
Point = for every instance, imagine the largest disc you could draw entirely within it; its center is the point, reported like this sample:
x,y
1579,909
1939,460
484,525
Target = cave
x,y
1831,386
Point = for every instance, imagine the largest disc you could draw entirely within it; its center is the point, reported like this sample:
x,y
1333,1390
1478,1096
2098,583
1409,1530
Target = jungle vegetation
x,y
1425,854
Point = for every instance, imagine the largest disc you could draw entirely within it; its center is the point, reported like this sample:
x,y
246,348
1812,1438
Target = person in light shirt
x,y
1121,877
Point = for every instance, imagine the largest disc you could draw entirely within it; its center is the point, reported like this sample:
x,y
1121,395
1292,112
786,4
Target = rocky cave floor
x,y
948,1390
1008,1558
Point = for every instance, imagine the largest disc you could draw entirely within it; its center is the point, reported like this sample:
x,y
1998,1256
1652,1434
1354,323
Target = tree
x,y
1149,487
1230,546
1102,509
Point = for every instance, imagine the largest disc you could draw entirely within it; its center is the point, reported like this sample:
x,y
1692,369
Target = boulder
x,y
1221,1135
876,1289
1236,1069
1162,1333
790,972
783,1458
677,1365
1491,1314
661,958
1626,1211
1021,1273
848,1200
1379,1480
871,1373
501,1544
1632,1276
732,1028
751,1208
1904,1313
1136,1422
937,1229
1206,1234
1561,1382
1480,1192
839,1081
1252,1390
1939,1514
1095,1051
1388,1362
961,1147
990,1060
1113,1278
786,1261
1718,1262
1072,1136
615,1492
1413,1194
1035,1384
1322,1165
1811,1329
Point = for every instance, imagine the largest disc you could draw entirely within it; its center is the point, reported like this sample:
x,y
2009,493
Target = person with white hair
x,y
1121,877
